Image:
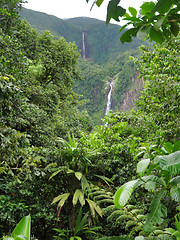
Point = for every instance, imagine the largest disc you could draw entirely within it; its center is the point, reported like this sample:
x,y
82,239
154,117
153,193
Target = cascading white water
x,y
83,46
109,98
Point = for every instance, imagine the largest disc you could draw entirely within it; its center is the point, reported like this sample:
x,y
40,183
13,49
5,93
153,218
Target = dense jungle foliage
x,y
75,179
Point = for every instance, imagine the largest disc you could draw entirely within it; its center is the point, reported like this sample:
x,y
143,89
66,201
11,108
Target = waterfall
x,y
109,98
83,46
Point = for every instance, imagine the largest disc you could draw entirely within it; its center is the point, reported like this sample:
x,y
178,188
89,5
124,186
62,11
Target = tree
x,y
9,14
158,21
160,96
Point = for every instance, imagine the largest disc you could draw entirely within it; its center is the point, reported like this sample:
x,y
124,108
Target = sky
x,y
76,8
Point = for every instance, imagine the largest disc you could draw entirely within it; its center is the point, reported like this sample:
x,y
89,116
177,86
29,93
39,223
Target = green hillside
x,y
101,40
106,58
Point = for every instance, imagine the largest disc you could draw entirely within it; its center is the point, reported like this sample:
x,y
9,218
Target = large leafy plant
x,y
162,177
22,230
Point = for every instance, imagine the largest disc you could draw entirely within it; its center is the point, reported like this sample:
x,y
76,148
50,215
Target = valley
x,y
103,57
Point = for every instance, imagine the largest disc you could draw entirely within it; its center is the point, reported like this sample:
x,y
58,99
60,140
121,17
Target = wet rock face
x,y
132,94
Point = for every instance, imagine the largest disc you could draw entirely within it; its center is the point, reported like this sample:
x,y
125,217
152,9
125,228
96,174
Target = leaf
x,y
78,195
146,8
177,224
176,146
159,23
23,228
162,6
150,186
174,28
127,35
123,194
175,193
168,147
61,198
139,238
78,175
105,179
124,26
157,210
142,166
84,183
133,11
169,162
94,207
80,222
99,2
174,181
55,173
141,34
156,36
114,11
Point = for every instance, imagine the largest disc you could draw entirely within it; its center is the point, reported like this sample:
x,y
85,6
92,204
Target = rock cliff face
x,y
132,94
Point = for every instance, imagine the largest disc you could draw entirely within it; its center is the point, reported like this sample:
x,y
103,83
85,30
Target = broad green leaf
x,y
168,147
175,193
162,6
174,28
175,181
23,228
114,11
94,207
157,210
127,35
159,23
123,194
99,2
78,175
169,162
156,36
84,183
150,186
176,146
8,238
139,238
61,198
142,166
78,195
20,237
133,11
177,224
146,8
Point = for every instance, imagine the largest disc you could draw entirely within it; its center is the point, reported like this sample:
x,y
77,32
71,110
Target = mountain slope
x,y
101,41
106,59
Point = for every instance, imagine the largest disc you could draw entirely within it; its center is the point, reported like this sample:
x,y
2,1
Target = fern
x,y
92,194
130,223
101,196
115,214
137,211
141,217
109,201
123,217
